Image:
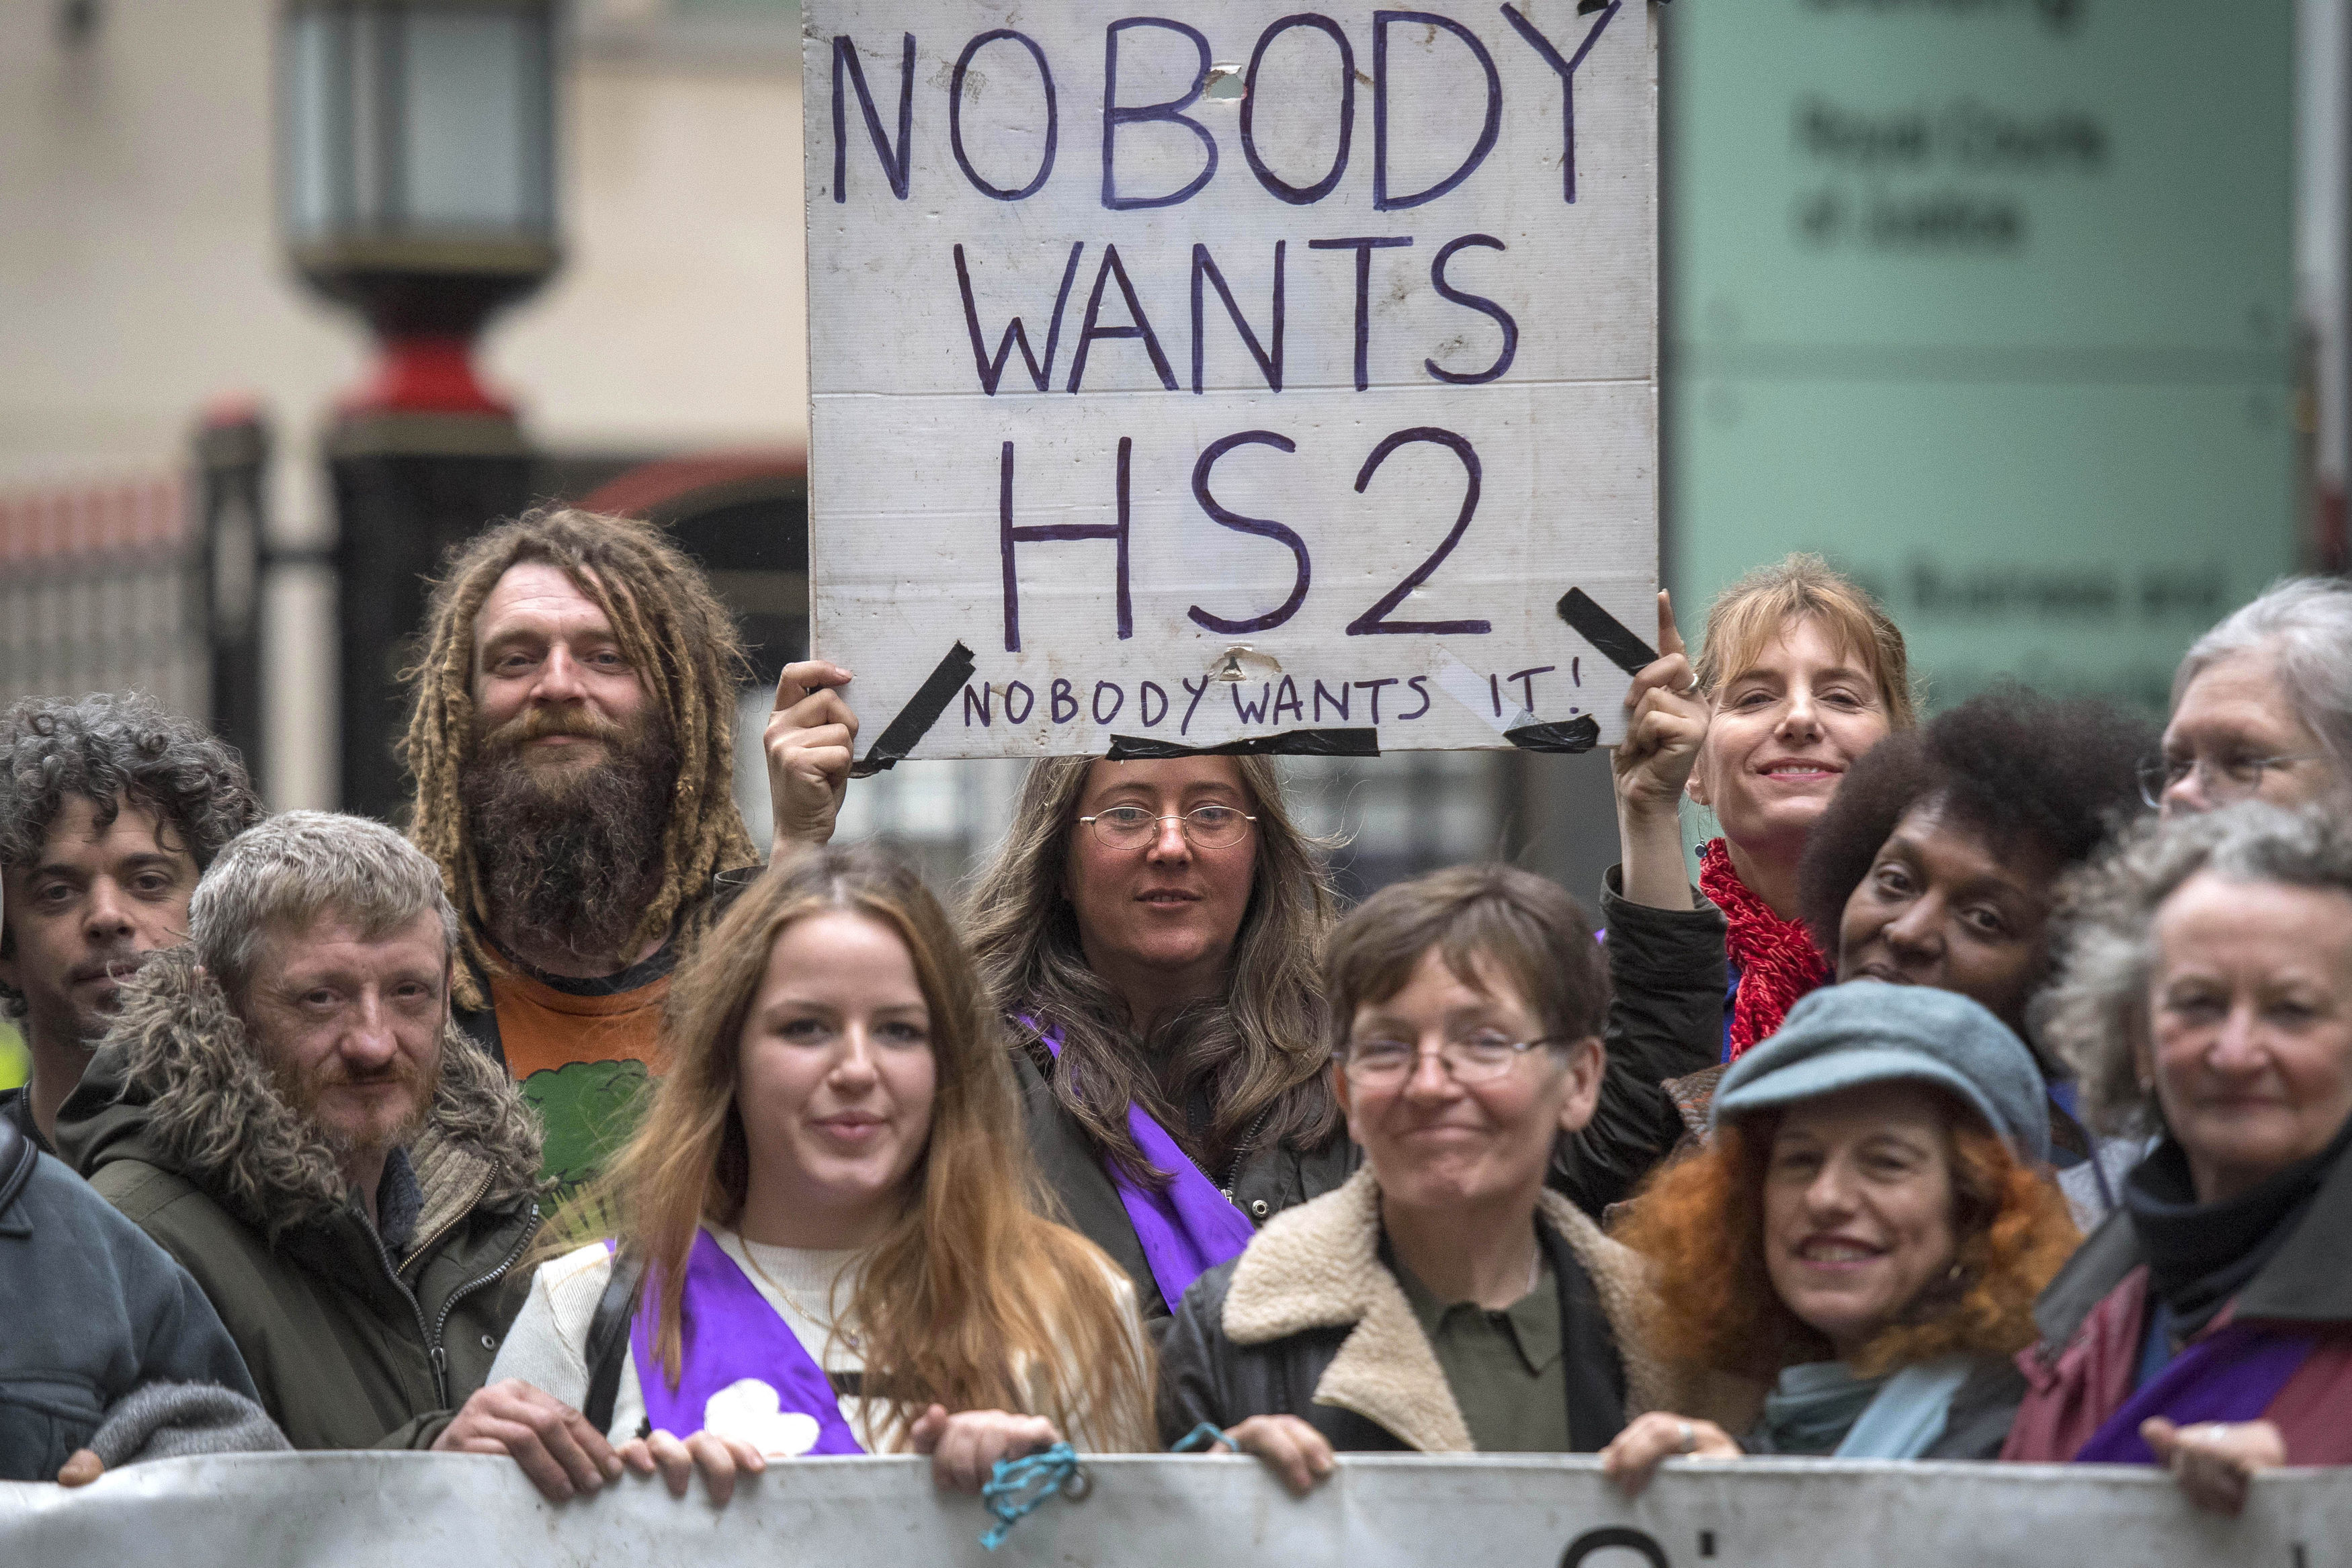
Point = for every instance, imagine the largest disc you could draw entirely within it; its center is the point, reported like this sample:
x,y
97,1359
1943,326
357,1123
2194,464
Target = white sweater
x,y
547,1346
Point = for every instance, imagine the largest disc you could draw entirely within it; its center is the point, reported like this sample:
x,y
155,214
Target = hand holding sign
x,y
966,1446
1665,724
2214,1460
1666,721
810,738
1633,1458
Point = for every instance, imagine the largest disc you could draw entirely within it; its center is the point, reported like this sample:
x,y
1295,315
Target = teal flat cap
x,y
1867,1031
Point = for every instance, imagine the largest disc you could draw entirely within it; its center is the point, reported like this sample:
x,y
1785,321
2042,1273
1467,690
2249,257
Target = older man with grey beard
x,y
286,1106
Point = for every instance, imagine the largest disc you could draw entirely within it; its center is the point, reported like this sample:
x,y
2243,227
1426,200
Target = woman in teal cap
x,y
1864,1237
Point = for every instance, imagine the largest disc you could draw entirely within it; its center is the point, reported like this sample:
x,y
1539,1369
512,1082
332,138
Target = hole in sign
x,y
1225,84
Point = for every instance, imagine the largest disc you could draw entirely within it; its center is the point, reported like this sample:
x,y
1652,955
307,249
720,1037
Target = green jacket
x,y
178,1125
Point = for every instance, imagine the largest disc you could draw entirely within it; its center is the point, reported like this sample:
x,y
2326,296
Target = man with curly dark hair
x,y
109,810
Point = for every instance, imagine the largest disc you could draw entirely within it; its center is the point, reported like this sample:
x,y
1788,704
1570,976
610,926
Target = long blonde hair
x,y
970,1299
683,644
1260,1048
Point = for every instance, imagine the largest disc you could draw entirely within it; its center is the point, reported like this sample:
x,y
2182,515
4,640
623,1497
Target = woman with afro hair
x,y
1938,864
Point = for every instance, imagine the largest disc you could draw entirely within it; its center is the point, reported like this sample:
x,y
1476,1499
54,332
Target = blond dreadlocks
x,y
676,633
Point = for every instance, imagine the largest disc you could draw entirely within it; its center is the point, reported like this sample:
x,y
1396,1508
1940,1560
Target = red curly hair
x,y
1700,1222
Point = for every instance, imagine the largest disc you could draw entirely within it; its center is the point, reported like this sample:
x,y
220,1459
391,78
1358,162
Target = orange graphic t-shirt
x,y
585,1060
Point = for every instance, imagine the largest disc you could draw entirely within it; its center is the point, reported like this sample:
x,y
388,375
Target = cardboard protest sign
x,y
1219,378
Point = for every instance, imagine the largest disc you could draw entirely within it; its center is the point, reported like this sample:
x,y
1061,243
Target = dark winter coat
x,y
93,1310
1266,1182
1666,977
177,1123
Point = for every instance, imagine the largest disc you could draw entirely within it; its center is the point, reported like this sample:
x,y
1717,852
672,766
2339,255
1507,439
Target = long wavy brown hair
x,y
677,636
1700,1223
970,1299
1259,1050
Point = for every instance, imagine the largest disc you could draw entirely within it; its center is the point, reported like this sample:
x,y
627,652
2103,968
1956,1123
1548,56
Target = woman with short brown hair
x,y
1441,1301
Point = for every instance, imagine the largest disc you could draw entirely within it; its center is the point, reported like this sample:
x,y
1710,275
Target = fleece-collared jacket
x,y
177,1123
1310,1322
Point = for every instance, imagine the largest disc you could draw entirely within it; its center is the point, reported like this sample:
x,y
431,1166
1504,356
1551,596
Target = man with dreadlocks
x,y
573,739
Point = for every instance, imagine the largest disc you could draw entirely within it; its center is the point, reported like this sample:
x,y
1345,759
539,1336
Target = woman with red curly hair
x,y
1865,1235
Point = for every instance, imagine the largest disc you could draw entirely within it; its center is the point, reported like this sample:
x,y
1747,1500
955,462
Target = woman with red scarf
x,y
1799,674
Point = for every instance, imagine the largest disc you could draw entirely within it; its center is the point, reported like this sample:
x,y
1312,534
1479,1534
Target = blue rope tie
x,y
1017,1488
1201,1437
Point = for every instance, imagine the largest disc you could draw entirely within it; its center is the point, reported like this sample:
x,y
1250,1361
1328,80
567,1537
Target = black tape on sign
x,y
1610,637
1578,734
1361,742
922,711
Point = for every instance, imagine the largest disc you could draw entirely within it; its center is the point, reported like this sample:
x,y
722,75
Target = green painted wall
x,y
1991,301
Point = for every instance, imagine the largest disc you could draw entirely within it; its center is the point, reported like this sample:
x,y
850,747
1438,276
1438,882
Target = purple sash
x,y
730,1334
1186,1230
2231,1375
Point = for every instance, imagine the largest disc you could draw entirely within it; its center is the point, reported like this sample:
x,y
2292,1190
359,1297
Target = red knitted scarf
x,y
1777,958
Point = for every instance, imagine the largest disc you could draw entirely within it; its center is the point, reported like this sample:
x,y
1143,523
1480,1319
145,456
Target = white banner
x,y
1217,375
426,1510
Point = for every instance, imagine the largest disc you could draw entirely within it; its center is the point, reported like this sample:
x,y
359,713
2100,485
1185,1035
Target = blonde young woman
x,y
1800,674
827,1244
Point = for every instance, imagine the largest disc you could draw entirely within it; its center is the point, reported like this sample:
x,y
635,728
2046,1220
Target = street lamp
x,y
417,185
418,175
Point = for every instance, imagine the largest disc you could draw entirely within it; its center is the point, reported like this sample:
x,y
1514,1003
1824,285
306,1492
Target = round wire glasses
x,y
1204,827
1474,1058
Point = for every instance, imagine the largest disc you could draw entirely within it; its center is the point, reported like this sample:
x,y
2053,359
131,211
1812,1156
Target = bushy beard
x,y
572,853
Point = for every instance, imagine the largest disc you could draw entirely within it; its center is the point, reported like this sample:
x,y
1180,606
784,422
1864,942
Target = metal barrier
x,y
102,589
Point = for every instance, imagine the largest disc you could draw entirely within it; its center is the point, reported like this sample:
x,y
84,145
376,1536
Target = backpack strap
x,y
607,1348
17,1158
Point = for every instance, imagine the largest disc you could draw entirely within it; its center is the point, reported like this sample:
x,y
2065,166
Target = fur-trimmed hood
x,y
178,1084
1318,1266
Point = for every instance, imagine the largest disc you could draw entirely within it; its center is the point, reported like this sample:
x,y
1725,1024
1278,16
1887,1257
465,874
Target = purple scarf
x,y
730,1334
2231,1375
1188,1228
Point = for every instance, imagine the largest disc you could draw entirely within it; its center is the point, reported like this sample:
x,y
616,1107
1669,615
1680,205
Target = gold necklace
x,y
830,1322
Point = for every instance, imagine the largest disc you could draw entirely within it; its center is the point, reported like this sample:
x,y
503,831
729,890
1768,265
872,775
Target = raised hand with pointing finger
x,y
811,740
1665,726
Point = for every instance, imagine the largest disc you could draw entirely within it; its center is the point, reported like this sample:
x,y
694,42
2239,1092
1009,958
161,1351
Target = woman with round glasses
x,y
2262,707
1149,929
1441,1301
